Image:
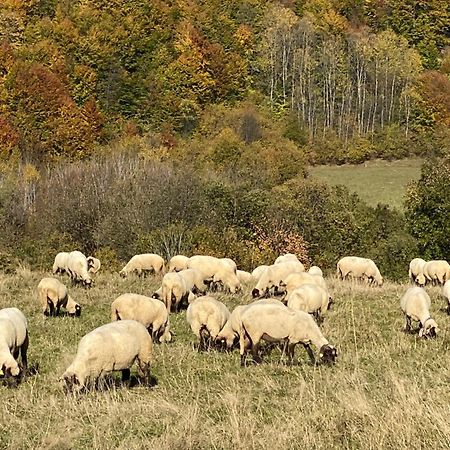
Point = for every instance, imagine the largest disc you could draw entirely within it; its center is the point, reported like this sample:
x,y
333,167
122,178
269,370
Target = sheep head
x,y
327,354
429,329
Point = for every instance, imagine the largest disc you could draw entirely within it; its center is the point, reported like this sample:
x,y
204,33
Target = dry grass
x,y
388,389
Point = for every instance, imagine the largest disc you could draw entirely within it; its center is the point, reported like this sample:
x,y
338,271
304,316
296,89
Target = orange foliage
x,y
435,90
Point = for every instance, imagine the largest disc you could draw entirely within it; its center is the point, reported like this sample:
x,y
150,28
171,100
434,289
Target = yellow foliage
x,y
30,173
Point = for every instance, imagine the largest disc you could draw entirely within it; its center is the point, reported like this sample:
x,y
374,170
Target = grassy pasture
x,y
374,181
388,389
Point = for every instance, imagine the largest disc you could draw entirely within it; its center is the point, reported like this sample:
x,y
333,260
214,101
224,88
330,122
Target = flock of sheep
x,y
288,309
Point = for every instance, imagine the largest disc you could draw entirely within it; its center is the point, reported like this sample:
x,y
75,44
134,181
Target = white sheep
x,y
174,291
194,280
310,298
288,257
230,263
416,306
244,277
143,264
228,279
416,271
13,340
359,268
93,264
53,295
60,264
274,277
78,268
111,347
297,279
436,271
208,265
177,263
315,270
257,273
206,317
446,294
278,323
150,312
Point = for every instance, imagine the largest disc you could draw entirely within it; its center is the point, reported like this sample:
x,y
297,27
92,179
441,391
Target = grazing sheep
x,y
257,273
150,312
297,279
60,264
230,263
143,264
111,347
446,294
416,271
93,264
315,270
53,295
178,263
206,317
278,323
436,272
13,339
359,268
310,298
157,294
229,334
174,289
288,257
194,280
416,306
78,268
275,276
227,279
208,265
244,277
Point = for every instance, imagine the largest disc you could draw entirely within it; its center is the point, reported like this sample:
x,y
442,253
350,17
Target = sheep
x,y
206,317
110,347
315,270
257,273
360,268
416,306
274,276
446,294
158,295
297,279
208,265
174,288
13,340
288,257
416,271
227,279
310,298
230,263
60,264
244,277
177,263
436,272
148,311
93,264
194,280
229,334
278,323
142,264
78,268
53,295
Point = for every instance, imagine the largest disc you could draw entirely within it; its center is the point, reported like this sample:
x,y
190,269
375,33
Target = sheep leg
x,y
407,327
448,308
290,352
255,351
126,374
310,353
23,356
144,372
244,345
51,308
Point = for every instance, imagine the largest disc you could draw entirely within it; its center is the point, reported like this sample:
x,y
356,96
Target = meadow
x,y
388,389
376,181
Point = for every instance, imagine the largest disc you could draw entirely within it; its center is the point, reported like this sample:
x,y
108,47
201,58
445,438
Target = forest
x,y
189,126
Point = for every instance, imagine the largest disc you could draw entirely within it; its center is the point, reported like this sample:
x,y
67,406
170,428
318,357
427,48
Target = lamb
x,y
148,311
111,347
278,323
93,264
174,288
288,257
60,264
257,273
446,294
244,277
416,306
310,298
360,268
13,340
315,270
53,295
78,268
206,317
178,263
143,264
416,271
275,276
436,272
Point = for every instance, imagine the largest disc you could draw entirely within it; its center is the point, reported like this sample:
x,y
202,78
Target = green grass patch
x,y
374,181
